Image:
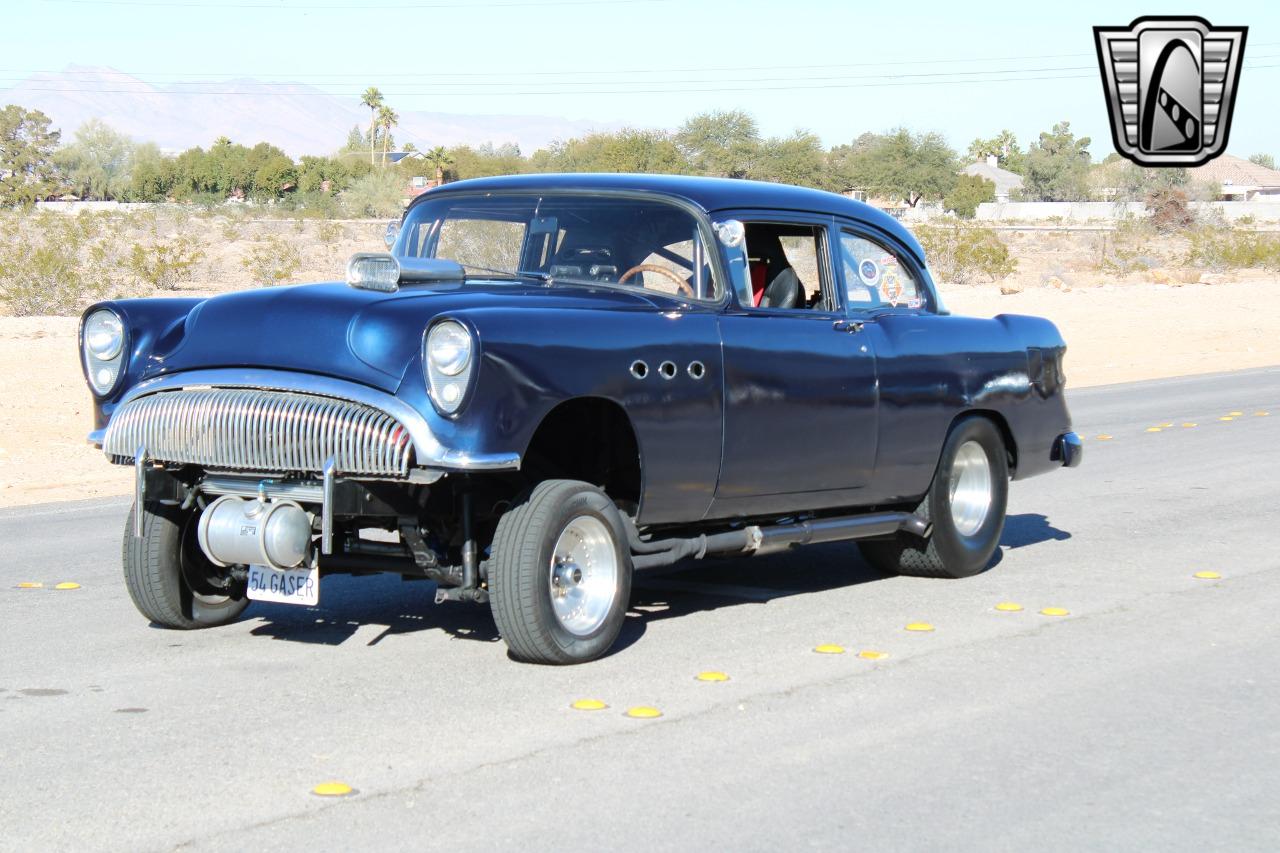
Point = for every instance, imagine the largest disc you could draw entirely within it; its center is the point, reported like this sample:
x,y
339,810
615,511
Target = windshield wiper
x,y
544,277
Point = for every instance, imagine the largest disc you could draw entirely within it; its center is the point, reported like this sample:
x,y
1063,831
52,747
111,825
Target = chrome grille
x,y
257,430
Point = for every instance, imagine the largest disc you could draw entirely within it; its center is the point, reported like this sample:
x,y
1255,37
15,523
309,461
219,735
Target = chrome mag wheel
x,y
583,575
970,488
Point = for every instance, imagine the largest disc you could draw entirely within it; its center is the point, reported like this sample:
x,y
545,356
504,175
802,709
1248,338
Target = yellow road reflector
x,y
1260,414
643,712
30,585
829,649
919,626
1154,429
1189,425
1226,418
588,705
1207,576
712,676
1056,611
1164,425
872,654
1009,606
1235,414
332,789
68,585
1103,437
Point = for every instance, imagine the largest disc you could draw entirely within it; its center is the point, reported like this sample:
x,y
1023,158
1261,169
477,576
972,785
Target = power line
x,y
664,82
375,75
280,7
873,83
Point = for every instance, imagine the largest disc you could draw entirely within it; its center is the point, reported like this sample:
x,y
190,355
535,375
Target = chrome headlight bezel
x,y
449,355
103,360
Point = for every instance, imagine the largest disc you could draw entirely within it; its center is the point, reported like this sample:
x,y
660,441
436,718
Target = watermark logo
x,y
1170,85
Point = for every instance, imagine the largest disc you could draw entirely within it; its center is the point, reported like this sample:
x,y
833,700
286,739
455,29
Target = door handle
x,y
850,326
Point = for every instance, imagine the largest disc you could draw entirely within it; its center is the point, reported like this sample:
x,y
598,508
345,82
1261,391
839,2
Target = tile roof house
x,y
1006,182
1235,179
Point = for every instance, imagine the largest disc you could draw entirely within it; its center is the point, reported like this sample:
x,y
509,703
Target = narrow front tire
x,y
560,574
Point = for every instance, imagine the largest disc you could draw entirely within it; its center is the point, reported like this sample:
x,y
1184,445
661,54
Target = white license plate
x,y
288,586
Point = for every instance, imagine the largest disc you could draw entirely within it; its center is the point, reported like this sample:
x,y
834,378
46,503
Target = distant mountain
x,y
298,118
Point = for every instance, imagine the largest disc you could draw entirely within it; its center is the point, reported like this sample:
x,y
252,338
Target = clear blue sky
x,y
812,64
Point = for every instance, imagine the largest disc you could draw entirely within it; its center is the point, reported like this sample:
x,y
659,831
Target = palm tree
x,y
372,99
439,158
387,119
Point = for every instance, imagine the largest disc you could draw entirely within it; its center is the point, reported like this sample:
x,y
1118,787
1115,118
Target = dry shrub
x,y
962,253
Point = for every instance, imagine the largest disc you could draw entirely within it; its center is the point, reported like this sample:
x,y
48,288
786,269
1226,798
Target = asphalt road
x,y
1148,717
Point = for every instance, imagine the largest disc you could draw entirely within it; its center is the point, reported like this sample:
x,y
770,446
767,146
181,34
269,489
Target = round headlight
x,y
103,335
449,348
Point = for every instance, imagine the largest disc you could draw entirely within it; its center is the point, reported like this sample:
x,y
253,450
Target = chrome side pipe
x,y
757,541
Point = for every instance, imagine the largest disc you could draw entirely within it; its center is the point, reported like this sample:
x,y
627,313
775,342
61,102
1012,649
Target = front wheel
x,y
169,578
560,574
966,503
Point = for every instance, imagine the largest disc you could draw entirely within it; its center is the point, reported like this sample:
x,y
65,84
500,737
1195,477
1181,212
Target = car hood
x,y
360,335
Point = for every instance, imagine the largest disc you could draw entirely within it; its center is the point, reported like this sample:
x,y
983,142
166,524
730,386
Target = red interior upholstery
x,y
758,271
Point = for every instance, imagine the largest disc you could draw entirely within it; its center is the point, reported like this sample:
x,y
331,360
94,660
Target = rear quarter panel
x,y
936,368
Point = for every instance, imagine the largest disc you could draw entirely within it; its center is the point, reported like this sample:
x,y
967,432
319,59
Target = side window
x,y
787,266
873,277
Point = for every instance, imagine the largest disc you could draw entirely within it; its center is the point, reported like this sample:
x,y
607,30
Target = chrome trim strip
x,y
326,510
139,488
302,491
428,451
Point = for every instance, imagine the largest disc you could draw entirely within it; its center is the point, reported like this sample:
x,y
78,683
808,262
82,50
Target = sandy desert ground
x,y
1115,332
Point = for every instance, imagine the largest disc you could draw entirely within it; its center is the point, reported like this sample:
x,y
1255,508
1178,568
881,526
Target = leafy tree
x,y
1004,145
372,99
356,141
379,193
26,156
387,119
152,175
969,192
627,150
486,160
1057,166
797,159
724,144
1263,160
1117,179
276,176
409,148
97,164
439,159
900,164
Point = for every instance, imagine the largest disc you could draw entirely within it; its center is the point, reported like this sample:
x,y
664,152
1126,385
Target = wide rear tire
x,y
560,574
153,572
966,504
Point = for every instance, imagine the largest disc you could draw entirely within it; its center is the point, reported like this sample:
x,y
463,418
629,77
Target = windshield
x,y
584,239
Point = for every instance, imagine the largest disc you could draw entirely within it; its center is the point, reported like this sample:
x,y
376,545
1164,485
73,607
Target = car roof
x,y
710,194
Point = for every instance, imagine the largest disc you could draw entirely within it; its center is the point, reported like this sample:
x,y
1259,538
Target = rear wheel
x,y
169,578
560,574
966,504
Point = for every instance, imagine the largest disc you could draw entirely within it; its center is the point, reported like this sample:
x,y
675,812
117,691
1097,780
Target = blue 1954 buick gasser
x,y
550,381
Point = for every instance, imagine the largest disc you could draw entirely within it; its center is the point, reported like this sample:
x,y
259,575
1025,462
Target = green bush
x,y
51,263
1224,248
377,194
962,253
330,232
163,265
271,262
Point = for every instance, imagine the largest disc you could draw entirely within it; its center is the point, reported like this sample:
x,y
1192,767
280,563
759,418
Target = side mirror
x,y
392,232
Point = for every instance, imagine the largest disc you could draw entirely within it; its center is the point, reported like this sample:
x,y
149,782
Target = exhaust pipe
x,y
235,531
756,541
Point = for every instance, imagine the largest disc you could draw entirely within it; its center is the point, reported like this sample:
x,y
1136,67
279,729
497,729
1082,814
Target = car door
x,y
917,363
800,402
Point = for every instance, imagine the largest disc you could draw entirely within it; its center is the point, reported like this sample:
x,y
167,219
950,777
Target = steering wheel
x,y
680,283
